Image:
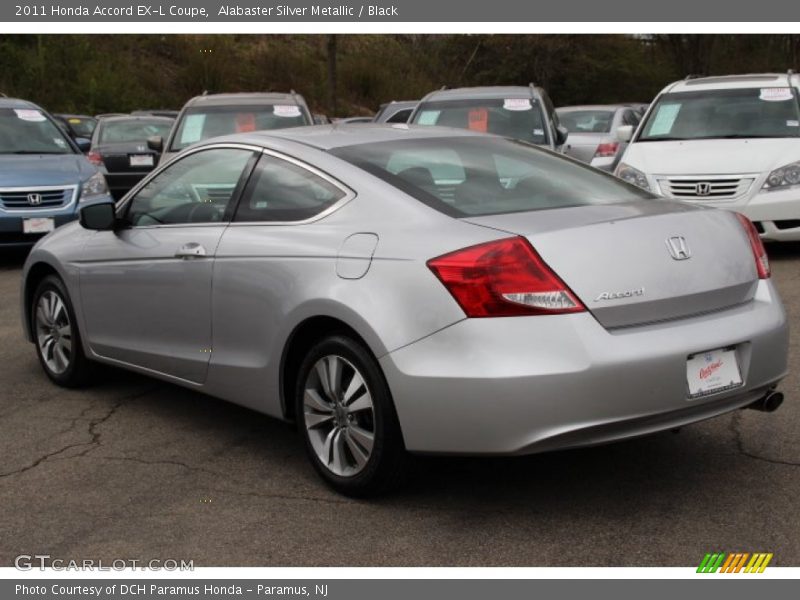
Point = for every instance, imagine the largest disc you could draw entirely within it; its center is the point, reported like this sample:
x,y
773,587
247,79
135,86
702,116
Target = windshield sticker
x,y
286,110
192,129
778,94
245,122
538,132
59,142
27,114
791,123
428,117
517,104
478,120
75,121
664,119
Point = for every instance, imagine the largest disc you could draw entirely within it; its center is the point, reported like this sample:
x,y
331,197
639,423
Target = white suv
x,y
730,142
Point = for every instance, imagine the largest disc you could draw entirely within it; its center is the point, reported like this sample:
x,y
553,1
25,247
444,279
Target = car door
x,y
146,288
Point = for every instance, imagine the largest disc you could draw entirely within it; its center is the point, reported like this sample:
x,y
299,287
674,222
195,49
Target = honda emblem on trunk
x,y
34,199
703,188
678,248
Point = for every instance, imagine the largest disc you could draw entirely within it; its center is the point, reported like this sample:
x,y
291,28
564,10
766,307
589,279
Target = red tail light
x,y
759,252
95,158
504,278
607,149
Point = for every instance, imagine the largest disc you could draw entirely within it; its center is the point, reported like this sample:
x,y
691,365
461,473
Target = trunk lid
x,y
583,146
618,259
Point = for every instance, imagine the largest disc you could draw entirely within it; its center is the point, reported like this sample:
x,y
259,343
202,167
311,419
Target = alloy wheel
x,y
339,415
54,332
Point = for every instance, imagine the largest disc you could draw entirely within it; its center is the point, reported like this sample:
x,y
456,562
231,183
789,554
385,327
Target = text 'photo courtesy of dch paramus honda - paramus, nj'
x,y
402,289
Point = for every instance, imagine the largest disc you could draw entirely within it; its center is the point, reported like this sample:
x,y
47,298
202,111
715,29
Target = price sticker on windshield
x,y
27,114
517,104
286,110
776,94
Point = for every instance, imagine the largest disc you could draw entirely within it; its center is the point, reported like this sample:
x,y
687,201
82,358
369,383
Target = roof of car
x,y
485,92
119,118
73,116
245,98
17,103
724,82
593,107
326,137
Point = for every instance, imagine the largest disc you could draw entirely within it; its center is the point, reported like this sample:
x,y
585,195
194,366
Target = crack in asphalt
x,y
92,430
735,427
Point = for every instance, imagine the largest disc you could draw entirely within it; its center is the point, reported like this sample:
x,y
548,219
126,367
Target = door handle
x,y
190,250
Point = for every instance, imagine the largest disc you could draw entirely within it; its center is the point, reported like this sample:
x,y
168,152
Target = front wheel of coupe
x,y
55,333
347,419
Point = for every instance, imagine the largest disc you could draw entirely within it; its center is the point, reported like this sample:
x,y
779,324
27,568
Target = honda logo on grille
x,y
703,188
678,248
34,199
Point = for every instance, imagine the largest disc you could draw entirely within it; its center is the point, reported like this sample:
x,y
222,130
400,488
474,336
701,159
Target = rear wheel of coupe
x,y
55,333
347,419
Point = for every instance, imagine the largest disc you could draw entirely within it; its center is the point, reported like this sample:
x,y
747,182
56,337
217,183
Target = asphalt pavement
x,y
132,468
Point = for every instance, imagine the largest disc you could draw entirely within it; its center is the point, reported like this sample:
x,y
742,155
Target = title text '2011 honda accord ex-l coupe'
x,y
401,290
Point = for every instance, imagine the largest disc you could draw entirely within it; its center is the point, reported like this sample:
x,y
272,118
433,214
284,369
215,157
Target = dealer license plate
x,y
141,160
712,371
39,225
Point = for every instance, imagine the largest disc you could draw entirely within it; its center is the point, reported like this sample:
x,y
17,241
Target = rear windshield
x,y
82,127
587,121
134,130
518,118
201,123
469,176
30,131
719,114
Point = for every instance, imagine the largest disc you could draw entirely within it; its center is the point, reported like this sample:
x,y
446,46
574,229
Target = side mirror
x,y
84,144
98,217
561,135
155,143
624,133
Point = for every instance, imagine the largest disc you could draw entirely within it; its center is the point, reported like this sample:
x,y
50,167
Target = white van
x,y
730,142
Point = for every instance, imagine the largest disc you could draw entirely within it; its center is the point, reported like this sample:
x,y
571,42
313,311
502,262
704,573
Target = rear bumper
x,y
524,385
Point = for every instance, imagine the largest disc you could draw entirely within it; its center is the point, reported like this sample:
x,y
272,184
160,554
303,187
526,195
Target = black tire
x,y
78,368
388,464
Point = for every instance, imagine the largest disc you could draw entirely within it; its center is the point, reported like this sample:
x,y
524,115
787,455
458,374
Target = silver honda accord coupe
x,y
398,290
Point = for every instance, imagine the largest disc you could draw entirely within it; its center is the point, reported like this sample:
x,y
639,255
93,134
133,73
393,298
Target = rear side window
x,y
281,191
401,116
476,175
519,118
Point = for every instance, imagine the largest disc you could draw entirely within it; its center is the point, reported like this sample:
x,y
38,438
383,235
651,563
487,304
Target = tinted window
x,y
731,113
282,191
202,123
30,131
631,117
468,176
133,130
519,118
401,116
195,189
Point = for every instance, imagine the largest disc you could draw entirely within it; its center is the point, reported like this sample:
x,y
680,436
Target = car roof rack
x,y
692,76
789,75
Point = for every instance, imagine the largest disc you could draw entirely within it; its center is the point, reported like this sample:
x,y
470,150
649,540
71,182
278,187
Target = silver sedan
x,y
398,290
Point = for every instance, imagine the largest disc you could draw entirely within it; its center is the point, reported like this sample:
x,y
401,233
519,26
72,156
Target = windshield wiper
x,y
664,139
